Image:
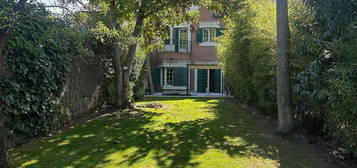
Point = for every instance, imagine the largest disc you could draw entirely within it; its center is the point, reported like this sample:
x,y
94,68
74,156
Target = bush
x,y
138,75
248,56
322,50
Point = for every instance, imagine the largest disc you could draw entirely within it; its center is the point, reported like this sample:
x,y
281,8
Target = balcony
x,y
178,46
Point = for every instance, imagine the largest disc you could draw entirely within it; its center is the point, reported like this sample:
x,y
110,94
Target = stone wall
x,y
83,93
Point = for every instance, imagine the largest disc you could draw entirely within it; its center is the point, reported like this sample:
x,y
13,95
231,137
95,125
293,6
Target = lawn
x,y
195,132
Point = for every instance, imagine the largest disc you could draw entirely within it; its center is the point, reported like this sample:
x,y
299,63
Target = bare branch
x,y
59,6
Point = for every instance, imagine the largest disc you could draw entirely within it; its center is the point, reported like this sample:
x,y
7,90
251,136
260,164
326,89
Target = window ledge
x,y
208,44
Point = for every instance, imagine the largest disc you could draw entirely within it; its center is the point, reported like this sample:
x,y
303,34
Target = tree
x,y
116,17
147,10
285,109
116,54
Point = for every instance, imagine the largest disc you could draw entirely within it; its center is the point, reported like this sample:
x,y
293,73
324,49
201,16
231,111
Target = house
x,y
188,61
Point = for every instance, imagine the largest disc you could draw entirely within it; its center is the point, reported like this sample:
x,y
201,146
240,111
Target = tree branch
x,y
158,8
59,6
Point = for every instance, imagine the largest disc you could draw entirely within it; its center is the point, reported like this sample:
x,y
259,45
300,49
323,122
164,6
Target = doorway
x,y
215,80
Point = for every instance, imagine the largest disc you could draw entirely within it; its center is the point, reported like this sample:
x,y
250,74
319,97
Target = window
x,y
169,77
209,34
183,40
215,14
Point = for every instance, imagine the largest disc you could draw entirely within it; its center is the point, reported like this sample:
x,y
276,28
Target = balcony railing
x,y
180,46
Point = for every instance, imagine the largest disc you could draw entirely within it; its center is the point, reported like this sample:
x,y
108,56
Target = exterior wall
x,y
198,53
202,54
84,90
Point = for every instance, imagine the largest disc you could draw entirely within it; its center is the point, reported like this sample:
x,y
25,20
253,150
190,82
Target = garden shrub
x,y
325,87
138,75
247,53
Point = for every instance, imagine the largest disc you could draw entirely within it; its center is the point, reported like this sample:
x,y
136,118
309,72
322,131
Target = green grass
x,y
206,133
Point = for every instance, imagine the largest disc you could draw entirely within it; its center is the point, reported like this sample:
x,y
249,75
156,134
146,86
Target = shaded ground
x,y
185,132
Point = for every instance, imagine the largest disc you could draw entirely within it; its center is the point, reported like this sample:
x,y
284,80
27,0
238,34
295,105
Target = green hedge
x,y
322,63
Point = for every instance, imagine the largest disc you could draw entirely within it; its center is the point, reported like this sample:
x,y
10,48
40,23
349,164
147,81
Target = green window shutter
x,y
176,39
215,15
179,76
156,76
163,76
167,41
199,35
219,32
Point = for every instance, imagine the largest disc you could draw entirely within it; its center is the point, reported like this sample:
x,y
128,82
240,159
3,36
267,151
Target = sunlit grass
x,y
206,133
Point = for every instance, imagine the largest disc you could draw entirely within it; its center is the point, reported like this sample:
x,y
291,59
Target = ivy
x,y
38,58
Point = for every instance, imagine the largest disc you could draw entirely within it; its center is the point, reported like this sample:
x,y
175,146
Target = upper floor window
x,y
215,14
183,40
208,35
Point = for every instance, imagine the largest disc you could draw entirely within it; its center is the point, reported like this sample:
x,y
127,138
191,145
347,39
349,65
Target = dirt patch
x,y
150,105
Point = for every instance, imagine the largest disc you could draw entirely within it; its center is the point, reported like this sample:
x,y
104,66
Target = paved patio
x,y
191,94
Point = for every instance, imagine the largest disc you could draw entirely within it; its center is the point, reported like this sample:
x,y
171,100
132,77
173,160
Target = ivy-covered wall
x,y
55,76
38,59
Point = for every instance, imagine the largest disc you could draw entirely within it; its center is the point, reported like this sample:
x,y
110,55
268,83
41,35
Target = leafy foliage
x,y
322,63
324,46
247,53
38,58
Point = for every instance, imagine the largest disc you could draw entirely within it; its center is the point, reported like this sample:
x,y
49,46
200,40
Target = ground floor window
x,y
168,76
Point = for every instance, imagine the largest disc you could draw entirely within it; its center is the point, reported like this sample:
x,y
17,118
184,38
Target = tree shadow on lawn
x,y
173,144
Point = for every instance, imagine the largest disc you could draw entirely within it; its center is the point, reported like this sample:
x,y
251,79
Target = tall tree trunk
x,y
151,83
116,60
130,59
118,76
285,109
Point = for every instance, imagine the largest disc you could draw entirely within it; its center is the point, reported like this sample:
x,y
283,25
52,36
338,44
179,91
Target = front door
x,y
201,80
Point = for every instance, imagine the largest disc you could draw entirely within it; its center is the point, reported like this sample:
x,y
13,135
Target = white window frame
x,y
208,25
210,32
169,77
210,40
185,47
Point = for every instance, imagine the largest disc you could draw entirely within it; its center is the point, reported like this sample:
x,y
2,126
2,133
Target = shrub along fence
x,y
322,63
